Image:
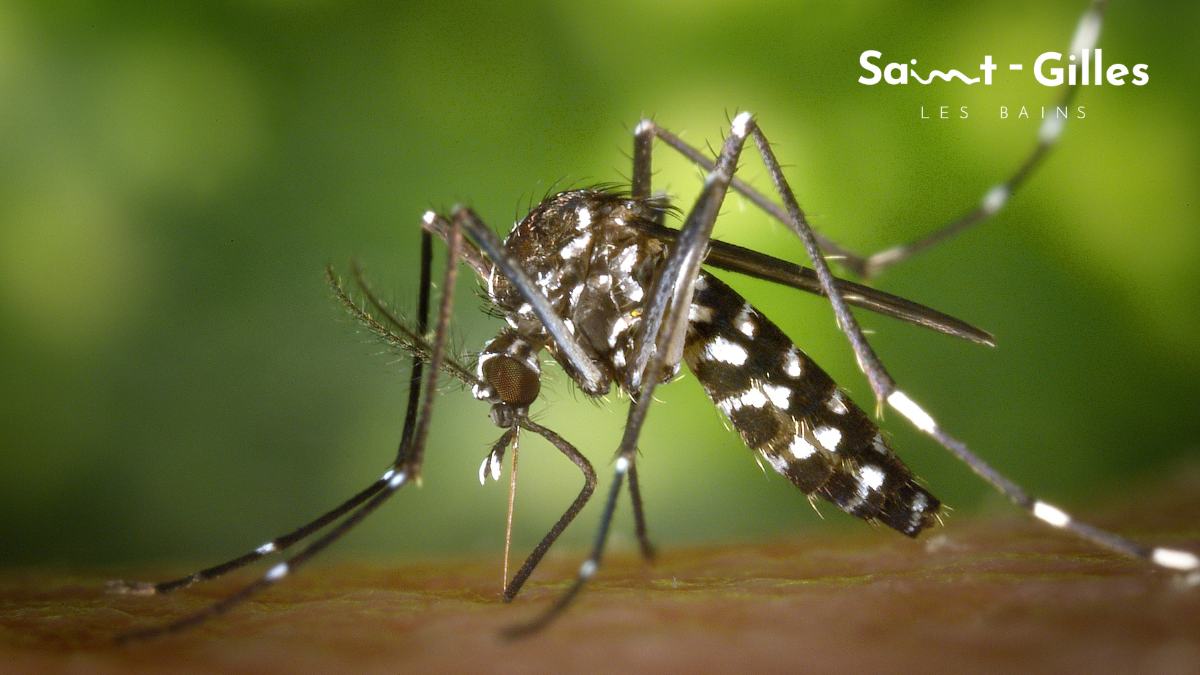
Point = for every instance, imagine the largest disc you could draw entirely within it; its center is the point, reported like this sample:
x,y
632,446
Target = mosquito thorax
x,y
584,251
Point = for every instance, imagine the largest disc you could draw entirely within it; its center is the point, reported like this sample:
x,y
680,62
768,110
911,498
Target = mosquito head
x,y
510,377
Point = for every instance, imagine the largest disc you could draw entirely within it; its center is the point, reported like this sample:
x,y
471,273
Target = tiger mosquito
x,y
594,278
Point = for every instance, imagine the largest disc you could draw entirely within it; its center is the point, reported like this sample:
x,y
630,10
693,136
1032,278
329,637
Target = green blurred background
x,y
179,384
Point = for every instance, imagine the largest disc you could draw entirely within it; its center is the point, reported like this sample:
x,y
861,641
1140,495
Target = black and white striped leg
x,y
643,146
585,493
280,543
285,541
589,567
885,389
663,324
406,468
395,480
1087,33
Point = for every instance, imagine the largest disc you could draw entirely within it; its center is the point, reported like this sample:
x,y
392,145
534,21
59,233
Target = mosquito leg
x,y
1087,32
674,288
589,486
418,365
643,144
745,189
285,541
885,389
406,467
395,480
279,543
639,516
586,571
672,291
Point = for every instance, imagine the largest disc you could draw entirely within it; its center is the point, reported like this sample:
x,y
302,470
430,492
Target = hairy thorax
x,y
584,254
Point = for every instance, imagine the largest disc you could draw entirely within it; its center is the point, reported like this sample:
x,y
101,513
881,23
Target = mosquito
x,y
595,278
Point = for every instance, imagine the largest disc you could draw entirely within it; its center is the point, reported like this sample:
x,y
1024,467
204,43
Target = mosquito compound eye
x,y
513,381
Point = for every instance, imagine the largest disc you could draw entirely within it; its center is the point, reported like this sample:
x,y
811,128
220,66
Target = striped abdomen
x,y
793,414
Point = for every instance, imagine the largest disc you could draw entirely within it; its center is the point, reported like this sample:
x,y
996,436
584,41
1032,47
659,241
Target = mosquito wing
x,y
762,266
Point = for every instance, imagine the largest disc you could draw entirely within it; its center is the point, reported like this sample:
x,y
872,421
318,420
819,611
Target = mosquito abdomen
x,y
793,414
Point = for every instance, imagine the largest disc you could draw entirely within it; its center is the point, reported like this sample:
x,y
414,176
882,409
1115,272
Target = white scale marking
x,y
828,437
1175,559
907,407
740,123
550,280
870,477
878,444
836,404
780,396
721,349
585,217
484,357
778,463
483,470
398,480
627,259
801,448
643,127
429,217
700,313
995,199
1052,515
1051,129
266,548
791,363
1086,33
481,389
745,321
919,503
618,327
918,509
575,293
576,246
622,465
277,572
588,569
387,475
753,398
